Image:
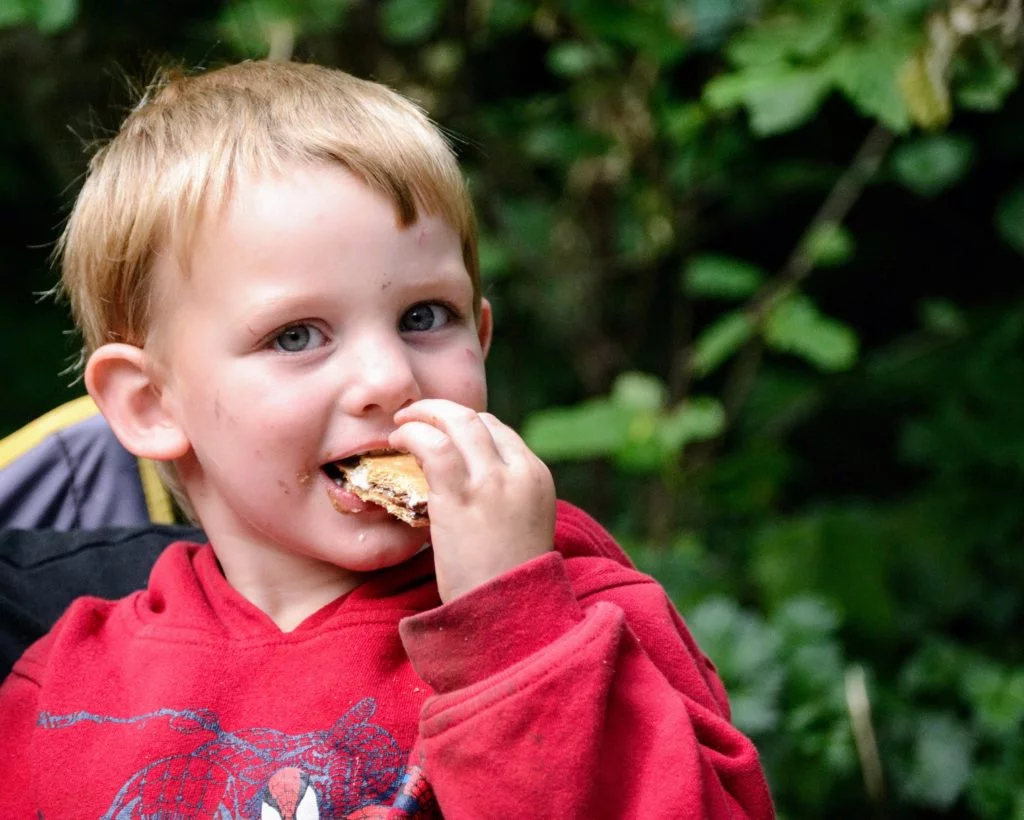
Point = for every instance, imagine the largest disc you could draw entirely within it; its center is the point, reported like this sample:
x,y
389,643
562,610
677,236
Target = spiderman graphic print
x,y
354,769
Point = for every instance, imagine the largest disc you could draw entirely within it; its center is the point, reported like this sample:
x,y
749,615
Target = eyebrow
x,y
446,279
273,305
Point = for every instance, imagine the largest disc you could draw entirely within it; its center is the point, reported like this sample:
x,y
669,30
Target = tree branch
x,y
800,264
833,211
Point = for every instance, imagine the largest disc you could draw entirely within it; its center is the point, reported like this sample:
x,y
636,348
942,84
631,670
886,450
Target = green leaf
x,y
776,41
698,419
944,318
628,426
720,340
777,99
641,397
942,761
410,21
829,244
740,642
642,451
55,15
805,618
983,78
638,392
1010,219
711,20
868,74
574,59
592,429
931,164
721,277
795,326
997,695
14,12
683,123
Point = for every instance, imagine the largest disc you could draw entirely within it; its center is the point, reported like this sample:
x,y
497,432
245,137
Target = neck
x,y
288,588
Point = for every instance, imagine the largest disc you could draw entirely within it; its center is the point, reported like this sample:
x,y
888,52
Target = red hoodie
x,y
567,688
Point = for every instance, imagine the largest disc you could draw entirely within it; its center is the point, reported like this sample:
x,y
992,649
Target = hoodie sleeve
x,y
571,688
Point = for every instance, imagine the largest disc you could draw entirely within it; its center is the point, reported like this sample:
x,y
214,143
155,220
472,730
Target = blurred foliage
x,y
756,269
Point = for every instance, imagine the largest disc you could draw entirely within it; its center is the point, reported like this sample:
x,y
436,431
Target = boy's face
x,y
307,318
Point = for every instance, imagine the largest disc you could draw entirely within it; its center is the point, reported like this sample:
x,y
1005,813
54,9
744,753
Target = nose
x,y
381,378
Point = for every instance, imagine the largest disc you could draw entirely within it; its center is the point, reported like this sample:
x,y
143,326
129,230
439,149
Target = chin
x,y
377,548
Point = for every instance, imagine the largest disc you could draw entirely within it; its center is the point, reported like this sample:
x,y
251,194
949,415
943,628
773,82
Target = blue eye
x,y
425,316
297,338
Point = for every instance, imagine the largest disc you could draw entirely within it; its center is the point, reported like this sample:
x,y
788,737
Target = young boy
x,y
274,268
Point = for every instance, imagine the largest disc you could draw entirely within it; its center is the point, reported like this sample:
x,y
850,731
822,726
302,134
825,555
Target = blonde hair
x,y
178,152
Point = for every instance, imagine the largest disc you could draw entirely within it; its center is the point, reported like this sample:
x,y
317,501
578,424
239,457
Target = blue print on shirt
x,y
247,773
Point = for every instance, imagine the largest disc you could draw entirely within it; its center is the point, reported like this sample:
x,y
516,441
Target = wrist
x,y
464,580
493,626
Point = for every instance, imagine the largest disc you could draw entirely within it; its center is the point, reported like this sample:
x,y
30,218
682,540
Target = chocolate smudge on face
x,y
304,477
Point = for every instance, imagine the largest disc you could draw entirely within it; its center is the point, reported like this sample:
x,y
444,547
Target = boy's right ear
x,y
120,379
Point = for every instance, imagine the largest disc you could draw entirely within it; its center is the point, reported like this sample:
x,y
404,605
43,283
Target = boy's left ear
x,y
485,326
120,379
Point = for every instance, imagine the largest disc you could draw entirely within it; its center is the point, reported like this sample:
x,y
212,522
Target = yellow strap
x,y
158,500
21,441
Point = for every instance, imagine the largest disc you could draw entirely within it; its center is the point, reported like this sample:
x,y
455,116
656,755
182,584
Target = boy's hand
x,y
492,501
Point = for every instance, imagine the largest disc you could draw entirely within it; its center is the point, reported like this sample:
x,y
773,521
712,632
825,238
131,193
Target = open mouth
x,y
336,470
387,478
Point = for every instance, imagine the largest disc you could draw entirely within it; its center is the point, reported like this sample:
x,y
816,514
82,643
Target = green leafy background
x,y
756,266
